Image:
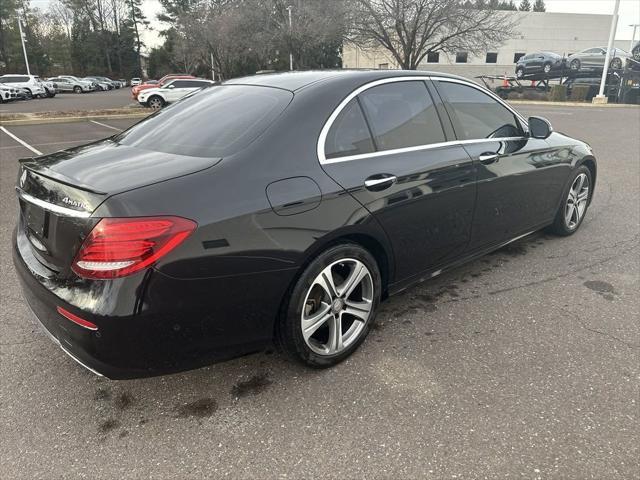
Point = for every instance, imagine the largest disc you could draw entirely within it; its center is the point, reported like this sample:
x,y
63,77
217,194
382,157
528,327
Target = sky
x,y
629,14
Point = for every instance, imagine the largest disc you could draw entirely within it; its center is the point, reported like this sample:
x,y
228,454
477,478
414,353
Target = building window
x,y
517,56
492,57
461,57
383,66
433,57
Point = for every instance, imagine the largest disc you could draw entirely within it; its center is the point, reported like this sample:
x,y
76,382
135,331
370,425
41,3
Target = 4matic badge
x,y
75,203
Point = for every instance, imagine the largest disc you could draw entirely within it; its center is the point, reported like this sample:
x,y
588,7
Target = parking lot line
x,y
105,125
21,142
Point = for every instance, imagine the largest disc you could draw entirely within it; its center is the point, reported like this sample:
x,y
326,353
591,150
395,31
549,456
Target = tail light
x,y
117,247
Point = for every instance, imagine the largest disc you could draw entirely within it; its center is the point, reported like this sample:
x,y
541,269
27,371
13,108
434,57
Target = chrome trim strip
x,y
67,212
329,123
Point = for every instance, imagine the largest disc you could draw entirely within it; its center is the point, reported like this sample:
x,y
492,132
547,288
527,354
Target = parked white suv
x,y
31,83
171,91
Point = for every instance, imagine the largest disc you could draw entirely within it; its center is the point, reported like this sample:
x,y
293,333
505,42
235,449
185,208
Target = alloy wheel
x,y
547,68
616,64
337,307
155,103
577,201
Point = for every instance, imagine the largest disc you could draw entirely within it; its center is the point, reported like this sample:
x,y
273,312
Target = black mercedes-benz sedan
x,y
280,209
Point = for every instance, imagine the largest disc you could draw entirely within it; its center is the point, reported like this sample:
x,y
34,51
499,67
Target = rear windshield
x,y
215,122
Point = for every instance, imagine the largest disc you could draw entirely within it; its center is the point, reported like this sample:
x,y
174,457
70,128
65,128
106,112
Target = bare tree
x,y
411,29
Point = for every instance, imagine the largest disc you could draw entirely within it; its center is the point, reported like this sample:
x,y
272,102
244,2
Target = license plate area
x,y
36,219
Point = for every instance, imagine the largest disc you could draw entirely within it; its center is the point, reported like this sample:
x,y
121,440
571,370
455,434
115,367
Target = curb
x,y
573,104
45,120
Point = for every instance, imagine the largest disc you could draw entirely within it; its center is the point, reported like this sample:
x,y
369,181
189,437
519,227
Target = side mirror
x,y
171,86
539,127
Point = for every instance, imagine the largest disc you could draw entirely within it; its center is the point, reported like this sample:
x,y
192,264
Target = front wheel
x,y
575,65
576,198
331,307
77,89
155,102
547,68
520,72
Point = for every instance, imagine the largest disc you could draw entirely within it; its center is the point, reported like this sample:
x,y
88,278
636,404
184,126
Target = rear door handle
x,y
381,181
488,158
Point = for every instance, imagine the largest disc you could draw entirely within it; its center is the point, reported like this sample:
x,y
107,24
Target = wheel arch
x,y
590,162
375,246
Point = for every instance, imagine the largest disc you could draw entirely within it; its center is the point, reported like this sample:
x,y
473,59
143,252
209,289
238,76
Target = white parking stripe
x,y
105,125
21,142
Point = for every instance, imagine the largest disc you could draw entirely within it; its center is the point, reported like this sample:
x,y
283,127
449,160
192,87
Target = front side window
x,y
349,134
477,115
402,115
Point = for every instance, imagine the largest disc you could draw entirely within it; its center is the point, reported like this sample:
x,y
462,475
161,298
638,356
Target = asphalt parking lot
x,y
69,102
525,363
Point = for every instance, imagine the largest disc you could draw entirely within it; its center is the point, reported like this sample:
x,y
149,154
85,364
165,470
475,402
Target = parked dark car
x,y
284,208
539,63
613,81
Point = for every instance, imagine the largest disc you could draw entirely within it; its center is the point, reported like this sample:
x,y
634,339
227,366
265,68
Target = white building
x,y
563,33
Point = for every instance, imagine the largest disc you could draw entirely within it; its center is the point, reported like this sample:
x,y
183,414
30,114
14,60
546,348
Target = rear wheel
x,y
155,102
520,72
573,209
575,65
77,89
331,307
616,64
547,68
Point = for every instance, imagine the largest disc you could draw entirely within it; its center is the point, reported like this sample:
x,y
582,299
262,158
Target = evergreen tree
x,y
525,6
539,6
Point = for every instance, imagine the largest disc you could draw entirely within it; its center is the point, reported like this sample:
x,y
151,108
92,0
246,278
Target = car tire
x,y
155,102
29,94
616,64
546,68
77,89
576,198
575,65
316,326
519,72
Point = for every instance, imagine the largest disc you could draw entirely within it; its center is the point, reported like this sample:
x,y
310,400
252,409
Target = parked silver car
x,y
593,59
72,84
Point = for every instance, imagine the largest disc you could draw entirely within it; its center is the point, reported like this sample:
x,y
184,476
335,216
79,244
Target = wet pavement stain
x,y
124,401
108,425
254,386
202,408
604,289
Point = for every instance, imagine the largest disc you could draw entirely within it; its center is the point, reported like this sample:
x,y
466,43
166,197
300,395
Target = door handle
x,y
381,181
488,158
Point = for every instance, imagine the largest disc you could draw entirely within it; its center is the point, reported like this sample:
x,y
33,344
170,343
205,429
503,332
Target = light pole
x,y
600,98
633,37
289,8
24,48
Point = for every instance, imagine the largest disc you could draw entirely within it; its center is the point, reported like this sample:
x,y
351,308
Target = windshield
x,y
215,122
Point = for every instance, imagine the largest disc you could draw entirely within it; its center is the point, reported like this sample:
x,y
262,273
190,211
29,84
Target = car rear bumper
x,y
176,325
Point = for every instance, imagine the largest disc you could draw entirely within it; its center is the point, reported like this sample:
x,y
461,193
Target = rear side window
x,y
215,122
477,115
349,134
401,115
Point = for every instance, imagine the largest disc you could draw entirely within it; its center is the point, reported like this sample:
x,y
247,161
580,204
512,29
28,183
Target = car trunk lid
x,y
58,193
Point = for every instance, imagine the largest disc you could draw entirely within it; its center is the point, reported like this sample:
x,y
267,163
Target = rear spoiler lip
x,y
32,165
